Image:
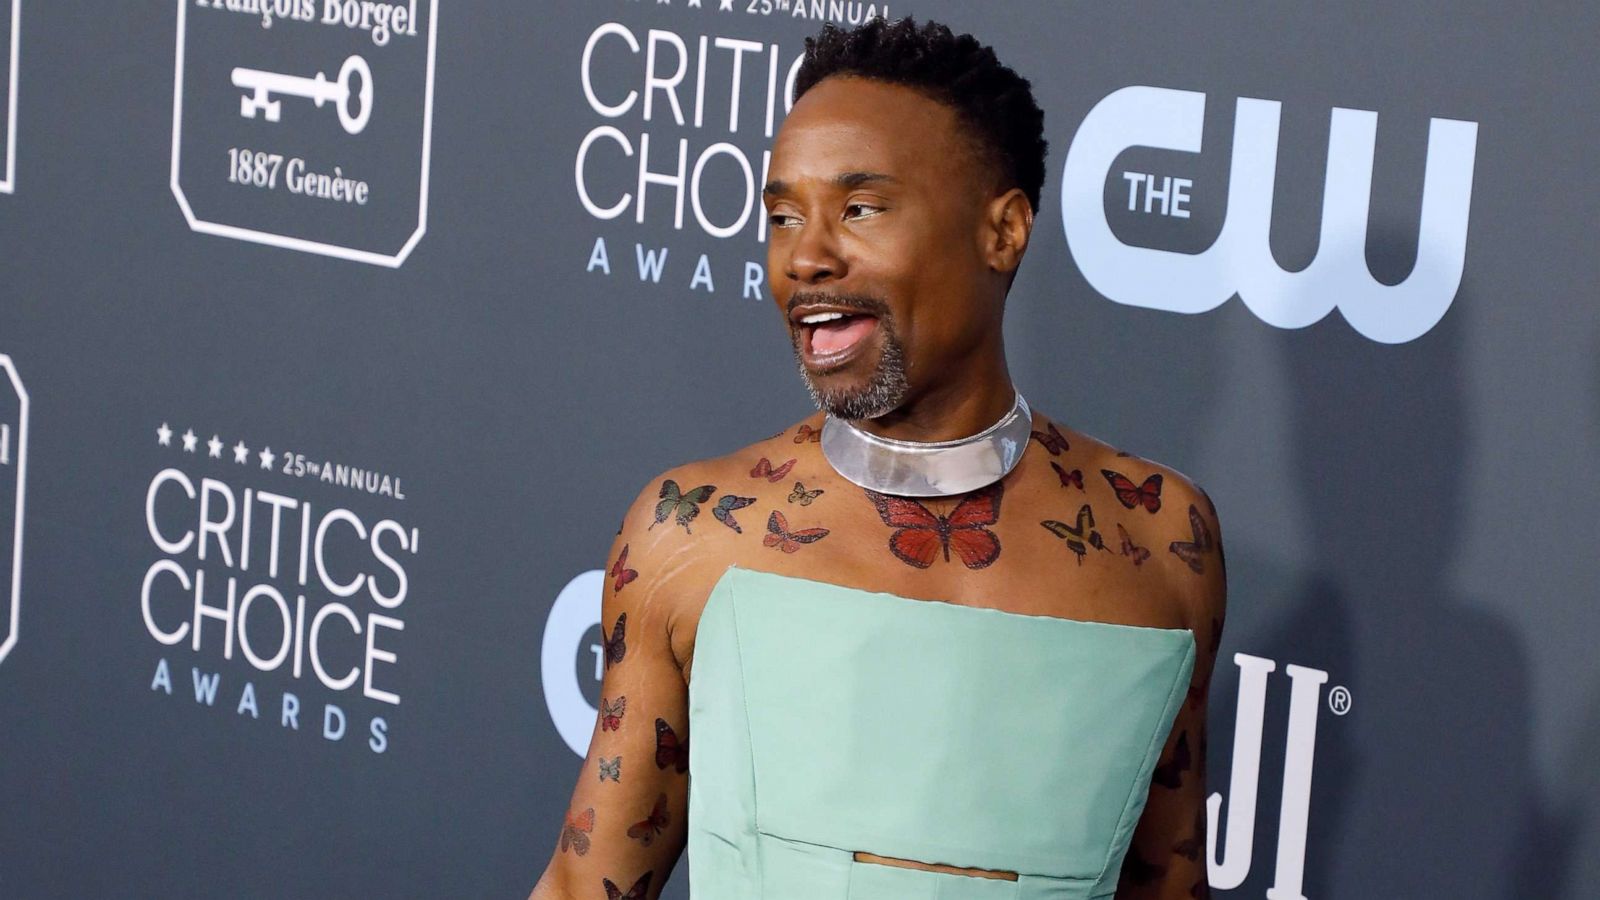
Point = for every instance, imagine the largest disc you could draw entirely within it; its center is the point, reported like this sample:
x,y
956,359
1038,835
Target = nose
x,y
814,254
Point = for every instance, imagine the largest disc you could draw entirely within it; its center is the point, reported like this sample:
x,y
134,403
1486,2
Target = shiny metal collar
x,y
928,468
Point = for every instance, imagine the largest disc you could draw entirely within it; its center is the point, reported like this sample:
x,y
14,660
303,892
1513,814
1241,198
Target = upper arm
x,y
1167,858
626,819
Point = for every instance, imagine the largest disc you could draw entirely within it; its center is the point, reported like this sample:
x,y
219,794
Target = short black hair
x,y
990,98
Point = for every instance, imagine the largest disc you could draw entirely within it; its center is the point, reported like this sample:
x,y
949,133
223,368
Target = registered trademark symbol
x,y
1339,699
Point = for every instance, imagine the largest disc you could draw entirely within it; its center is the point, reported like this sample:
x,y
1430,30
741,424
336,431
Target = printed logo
x,y
13,478
10,39
1294,814
570,640
1240,262
306,124
308,595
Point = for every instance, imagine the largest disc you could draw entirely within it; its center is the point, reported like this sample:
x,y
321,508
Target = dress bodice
x,y
827,720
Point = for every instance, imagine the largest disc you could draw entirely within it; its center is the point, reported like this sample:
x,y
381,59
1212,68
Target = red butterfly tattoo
x,y
614,645
1131,495
1193,552
645,830
764,469
670,752
1051,439
621,572
575,833
1129,548
1079,537
788,541
639,891
807,433
1073,478
611,713
921,534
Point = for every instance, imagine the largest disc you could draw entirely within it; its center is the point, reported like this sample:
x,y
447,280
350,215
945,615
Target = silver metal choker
x,y
928,468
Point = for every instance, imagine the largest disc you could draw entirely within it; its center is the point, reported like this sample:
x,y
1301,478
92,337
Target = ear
x,y
1009,223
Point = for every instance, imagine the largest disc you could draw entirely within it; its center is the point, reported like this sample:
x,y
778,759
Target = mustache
x,y
866,303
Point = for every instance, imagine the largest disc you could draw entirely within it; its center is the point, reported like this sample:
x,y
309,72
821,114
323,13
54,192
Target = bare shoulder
x,y
687,524
1160,510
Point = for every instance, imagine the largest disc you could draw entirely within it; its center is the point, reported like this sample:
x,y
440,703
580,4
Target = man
x,y
903,187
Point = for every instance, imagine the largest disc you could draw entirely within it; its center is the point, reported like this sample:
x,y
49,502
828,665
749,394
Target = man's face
x,y
876,202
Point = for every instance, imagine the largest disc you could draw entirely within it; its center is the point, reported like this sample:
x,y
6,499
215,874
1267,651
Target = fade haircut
x,y
993,101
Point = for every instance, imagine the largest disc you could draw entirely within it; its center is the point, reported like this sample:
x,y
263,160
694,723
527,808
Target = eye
x,y
779,220
872,210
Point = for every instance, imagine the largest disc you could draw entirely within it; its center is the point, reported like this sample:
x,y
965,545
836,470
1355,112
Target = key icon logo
x,y
318,89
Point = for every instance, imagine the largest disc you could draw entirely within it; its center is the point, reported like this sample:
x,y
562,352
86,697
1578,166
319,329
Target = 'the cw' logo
x,y
1305,694
1241,262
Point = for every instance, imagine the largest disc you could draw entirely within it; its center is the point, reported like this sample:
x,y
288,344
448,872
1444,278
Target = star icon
x,y
240,452
215,446
188,440
164,435
727,6
267,457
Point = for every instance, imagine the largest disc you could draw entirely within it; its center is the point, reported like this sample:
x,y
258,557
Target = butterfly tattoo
x,y
682,506
670,752
611,713
1133,495
645,830
1193,552
575,833
1079,537
640,888
611,769
1051,439
1129,548
725,507
614,645
802,496
921,534
1170,774
807,433
765,469
1068,479
620,571
778,534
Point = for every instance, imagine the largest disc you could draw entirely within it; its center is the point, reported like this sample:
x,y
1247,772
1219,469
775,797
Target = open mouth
x,y
832,337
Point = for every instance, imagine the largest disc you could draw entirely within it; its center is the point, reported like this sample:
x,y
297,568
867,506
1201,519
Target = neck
x,y
949,411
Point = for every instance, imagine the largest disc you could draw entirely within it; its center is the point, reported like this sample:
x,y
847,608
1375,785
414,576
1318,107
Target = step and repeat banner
x,y
337,335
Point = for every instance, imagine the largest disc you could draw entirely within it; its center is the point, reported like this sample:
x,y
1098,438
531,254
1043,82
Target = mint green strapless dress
x,y
826,720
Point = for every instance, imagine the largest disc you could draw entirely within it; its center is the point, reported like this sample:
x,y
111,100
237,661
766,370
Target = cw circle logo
x,y
576,610
1240,261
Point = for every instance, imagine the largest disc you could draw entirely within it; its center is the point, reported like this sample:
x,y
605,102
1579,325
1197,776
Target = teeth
x,y
815,318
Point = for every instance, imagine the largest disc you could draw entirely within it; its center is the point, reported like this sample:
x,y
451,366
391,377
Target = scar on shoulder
x,y
862,856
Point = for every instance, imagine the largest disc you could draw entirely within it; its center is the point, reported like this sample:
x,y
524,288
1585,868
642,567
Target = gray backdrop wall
x,y
323,399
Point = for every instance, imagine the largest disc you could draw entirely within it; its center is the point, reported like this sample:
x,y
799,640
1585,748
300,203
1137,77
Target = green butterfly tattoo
x,y
680,505
611,768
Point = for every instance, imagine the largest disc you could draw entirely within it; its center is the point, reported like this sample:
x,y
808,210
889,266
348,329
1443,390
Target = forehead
x,y
857,124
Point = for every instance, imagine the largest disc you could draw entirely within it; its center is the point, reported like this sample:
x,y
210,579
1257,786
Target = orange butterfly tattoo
x,y
807,433
778,534
575,833
1133,495
922,534
1129,548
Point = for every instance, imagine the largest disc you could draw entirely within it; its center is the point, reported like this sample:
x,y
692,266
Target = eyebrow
x,y
843,179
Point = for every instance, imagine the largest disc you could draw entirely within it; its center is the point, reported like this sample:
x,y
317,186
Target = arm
x,y
625,825
1167,859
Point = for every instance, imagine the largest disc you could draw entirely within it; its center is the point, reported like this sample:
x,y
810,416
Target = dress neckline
x,y
1043,620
